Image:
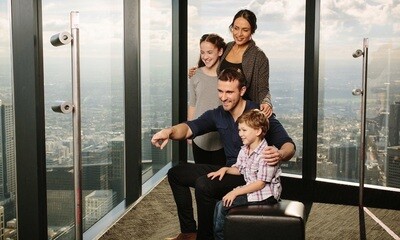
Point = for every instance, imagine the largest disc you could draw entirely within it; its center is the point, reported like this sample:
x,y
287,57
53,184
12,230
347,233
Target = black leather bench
x,y
284,220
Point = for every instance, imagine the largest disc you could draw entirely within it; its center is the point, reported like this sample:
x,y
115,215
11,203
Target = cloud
x,y
100,28
5,30
157,39
396,12
396,28
359,13
270,8
369,15
192,12
279,23
278,9
156,16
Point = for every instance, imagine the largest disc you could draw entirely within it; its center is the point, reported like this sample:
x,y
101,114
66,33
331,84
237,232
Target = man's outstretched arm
x,y
178,132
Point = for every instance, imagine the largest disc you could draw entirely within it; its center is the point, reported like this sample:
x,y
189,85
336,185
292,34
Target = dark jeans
x,y
221,211
207,192
202,156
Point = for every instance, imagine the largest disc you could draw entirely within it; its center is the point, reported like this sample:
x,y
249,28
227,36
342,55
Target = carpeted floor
x,y
154,218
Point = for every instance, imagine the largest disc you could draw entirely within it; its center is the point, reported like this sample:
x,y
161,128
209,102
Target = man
x,y
231,88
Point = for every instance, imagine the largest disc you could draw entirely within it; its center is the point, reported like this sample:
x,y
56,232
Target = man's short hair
x,y
255,119
232,74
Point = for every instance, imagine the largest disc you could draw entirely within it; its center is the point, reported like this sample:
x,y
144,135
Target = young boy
x,y
262,181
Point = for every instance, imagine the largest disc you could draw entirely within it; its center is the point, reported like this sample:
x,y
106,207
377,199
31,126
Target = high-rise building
x,y
117,155
7,151
2,223
346,158
60,208
97,204
327,169
394,125
393,167
96,164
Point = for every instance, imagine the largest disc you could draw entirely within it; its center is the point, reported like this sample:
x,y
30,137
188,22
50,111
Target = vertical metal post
x,y
363,124
76,115
363,93
363,119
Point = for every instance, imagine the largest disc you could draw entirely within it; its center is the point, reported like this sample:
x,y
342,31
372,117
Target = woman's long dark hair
x,y
249,16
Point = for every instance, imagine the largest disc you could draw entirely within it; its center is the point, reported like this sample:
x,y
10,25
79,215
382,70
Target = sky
x,y
279,28
281,24
280,33
5,28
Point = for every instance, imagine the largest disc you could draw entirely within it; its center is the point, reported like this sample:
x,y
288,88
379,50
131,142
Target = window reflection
x,y
156,82
7,142
343,26
280,34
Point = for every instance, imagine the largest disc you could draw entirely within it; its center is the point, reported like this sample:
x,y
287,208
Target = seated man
x,y
231,88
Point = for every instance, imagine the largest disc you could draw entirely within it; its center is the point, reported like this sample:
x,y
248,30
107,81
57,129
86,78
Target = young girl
x,y
262,181
203,96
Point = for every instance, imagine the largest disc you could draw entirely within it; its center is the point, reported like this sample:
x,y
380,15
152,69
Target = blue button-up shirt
x,y
222,121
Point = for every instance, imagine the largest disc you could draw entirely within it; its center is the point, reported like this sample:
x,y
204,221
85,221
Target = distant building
x,y
394,125
60,208
346,159
10,231
327,169
393,167
293,165
7,151
117,174
97,204
7,161
2,223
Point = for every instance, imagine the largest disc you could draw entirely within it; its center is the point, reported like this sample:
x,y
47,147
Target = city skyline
x,y
280,35
350,78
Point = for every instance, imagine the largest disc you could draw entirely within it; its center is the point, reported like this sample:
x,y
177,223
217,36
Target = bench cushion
x,y
284,220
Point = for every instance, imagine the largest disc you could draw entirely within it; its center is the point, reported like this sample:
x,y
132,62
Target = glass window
x,y
102,112
344,25
280,34
7,142
156,81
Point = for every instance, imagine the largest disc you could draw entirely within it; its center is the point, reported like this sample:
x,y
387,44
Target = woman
x,y
243,53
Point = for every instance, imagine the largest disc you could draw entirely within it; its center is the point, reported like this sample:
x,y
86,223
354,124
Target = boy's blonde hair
x,y
255,119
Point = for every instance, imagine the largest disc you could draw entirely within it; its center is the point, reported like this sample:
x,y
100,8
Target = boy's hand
x,y
228,198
